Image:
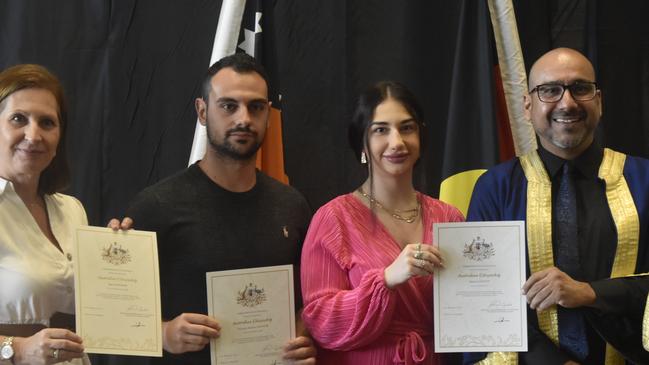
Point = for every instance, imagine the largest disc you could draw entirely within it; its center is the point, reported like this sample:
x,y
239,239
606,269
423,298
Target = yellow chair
x,y
457,189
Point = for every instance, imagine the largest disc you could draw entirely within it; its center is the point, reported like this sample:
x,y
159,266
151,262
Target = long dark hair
x,y
364,115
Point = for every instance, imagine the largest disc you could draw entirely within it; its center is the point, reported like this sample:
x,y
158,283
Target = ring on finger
x,y
421,263
55,354
418,255
419,247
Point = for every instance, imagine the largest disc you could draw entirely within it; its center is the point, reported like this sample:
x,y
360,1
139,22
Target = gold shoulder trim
x,y
500,358
624,213
627,224
539,232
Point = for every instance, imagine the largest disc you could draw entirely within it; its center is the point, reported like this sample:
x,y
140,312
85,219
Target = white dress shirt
x,y
36,279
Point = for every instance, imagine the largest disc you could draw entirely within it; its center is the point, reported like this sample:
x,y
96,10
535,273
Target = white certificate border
x,y
288,269
78,298
520,225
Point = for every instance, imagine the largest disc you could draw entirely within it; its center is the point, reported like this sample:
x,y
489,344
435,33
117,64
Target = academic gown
x,y
501,194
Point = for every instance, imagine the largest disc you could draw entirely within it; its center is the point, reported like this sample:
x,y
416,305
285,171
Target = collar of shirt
x,y
4,184
587,164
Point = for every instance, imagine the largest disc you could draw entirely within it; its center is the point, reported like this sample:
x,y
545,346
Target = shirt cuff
x,y
609,296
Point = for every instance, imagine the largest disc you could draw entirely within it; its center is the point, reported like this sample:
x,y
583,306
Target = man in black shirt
x,y
220,214
586,212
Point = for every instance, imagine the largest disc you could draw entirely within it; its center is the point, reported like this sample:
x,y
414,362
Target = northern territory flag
x,y
240,29
257,43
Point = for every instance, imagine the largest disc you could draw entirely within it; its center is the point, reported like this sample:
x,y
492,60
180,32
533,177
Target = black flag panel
x,y
131,70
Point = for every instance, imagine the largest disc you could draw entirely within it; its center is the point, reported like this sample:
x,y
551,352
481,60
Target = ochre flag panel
x,y
270,157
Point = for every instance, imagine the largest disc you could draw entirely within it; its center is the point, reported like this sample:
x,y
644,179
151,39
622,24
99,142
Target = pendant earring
x,y
363,158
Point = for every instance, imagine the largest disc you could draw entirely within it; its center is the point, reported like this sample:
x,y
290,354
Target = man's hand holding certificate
x,y
478,304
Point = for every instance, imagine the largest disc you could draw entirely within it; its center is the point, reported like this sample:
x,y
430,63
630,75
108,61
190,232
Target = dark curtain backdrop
x,y
131,69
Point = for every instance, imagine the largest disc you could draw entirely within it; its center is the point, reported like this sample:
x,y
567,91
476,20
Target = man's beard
x,y
229,150
573,138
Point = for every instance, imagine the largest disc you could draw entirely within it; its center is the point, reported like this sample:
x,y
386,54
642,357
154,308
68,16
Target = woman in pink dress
x,y
367,261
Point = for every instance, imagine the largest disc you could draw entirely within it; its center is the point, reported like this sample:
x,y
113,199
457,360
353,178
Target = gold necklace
x,y
396,214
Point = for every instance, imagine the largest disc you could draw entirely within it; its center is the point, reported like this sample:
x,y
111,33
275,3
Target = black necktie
x,y
572,331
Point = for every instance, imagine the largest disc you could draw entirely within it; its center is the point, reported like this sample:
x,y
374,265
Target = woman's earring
x,y
363,158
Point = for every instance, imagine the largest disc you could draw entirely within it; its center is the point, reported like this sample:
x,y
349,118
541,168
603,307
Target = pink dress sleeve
x,y
339,316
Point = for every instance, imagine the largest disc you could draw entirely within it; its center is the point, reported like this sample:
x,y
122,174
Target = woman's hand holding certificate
x,y
414,260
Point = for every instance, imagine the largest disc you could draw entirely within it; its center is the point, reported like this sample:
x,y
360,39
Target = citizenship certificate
x,y
256,311
478,304
117,288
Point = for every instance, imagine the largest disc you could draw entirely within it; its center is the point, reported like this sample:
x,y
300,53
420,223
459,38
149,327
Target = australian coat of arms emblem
x,y
115,254
478,249
251,296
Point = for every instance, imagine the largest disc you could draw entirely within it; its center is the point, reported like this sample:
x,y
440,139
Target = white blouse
x,y
36,279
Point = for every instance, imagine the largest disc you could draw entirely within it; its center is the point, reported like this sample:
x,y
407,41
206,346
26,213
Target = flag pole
x,y
512,68
225,43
